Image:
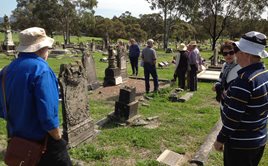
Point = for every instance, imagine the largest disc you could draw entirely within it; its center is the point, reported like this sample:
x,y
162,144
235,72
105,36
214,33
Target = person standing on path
x,y
134,53
243,135
149,59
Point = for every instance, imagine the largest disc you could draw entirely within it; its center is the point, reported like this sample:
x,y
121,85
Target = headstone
x,y
122,61
127,106
8,44
161,64
169,50
89,65
78,127
92,46
170,158
112,73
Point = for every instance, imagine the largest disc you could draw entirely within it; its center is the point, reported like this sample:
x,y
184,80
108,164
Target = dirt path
x,y
111,93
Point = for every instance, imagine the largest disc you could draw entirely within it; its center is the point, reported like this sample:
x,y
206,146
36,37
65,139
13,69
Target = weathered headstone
x,y
127,106
89,65
112,73
122,61
78,127
92,46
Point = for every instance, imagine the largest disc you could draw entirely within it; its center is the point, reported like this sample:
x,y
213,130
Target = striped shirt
x,y
244,114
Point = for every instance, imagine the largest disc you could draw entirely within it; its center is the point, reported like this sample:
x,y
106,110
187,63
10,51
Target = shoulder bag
x,y
20,151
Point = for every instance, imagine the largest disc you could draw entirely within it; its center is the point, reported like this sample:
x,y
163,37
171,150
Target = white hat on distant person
x,y
192,43
33,39
151,41
253,43
182,47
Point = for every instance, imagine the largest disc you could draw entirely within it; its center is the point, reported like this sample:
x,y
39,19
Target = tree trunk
x,y
165,29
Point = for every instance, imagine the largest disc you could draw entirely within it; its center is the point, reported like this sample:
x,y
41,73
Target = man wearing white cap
x,y
29,97
244,133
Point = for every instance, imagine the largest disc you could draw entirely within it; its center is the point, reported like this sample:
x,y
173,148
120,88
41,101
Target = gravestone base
x,y
93,85
124,111
79,133
112,77
124,74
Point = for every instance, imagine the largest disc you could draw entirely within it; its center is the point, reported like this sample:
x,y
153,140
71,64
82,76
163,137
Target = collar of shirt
x,y
30,55
254,66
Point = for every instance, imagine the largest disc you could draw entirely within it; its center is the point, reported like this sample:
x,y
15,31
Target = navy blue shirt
x,y
134,51
32,97
245,110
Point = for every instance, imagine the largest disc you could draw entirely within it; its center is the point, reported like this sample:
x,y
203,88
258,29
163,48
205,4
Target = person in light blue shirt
x,y
29,97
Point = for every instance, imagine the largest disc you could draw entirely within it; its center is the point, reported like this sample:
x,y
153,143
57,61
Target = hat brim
x,y
47,42
182,49
251,48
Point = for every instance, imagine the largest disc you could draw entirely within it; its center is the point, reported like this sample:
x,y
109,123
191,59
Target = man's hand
x,y
55,133
218,146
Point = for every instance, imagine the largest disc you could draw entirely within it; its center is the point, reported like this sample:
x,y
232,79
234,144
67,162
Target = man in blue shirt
x,y
134,53
244,114
29,101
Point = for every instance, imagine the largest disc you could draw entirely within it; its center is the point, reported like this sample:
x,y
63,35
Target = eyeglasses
x,y
228,52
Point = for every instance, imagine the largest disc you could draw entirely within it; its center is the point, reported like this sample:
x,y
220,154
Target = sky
x,y
105,8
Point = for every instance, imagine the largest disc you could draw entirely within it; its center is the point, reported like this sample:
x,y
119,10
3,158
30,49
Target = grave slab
x,y
170,158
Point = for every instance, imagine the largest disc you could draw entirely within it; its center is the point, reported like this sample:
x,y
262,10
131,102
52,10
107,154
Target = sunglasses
x,y
229,52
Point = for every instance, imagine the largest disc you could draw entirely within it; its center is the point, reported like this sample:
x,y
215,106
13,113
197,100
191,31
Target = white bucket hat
x,y
182,47
33,39
253,43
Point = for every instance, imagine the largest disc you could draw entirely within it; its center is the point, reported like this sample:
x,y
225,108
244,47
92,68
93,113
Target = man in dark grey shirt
x,y
149,59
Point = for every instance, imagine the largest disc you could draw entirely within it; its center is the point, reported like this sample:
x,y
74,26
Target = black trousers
x,y
181,75
56,154
193,78
134,61
238,157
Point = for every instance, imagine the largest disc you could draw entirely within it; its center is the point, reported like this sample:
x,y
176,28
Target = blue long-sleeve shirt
x,y
32,97
134,51
244,114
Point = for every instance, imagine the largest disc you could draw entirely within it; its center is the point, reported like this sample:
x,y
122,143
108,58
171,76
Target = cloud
x,y
109,8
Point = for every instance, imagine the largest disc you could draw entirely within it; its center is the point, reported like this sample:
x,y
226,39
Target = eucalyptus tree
x,y
135,31
152,24
70,12
172,10
24,14
216,14
128,19
53,15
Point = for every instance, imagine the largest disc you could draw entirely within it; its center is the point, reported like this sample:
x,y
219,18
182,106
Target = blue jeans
x,y
150,69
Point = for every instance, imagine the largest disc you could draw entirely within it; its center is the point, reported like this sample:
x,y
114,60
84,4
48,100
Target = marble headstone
x,y
122,61
89,65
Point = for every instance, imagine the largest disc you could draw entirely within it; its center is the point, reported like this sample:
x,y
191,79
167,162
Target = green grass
x,y
183,126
